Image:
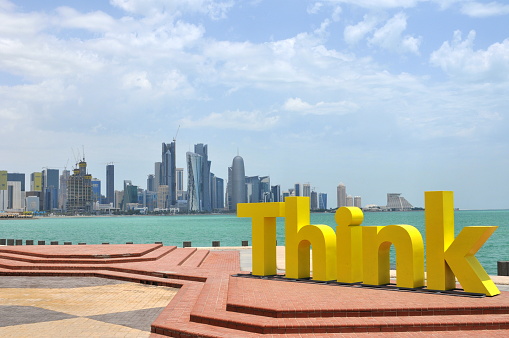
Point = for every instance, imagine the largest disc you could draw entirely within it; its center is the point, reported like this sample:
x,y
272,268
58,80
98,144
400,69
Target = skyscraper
x,y
110,184
217,192
298,189
96,190
349,201
36,181
17,177
180,183
62,195
276,193
239,194
169,172
306,190
50,186
253,189
322,201
341,194
314,200
79,190
265,192
157,175
357,202
202,149
194,181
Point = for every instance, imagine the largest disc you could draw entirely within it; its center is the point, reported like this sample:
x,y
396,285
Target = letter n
x,y
407,240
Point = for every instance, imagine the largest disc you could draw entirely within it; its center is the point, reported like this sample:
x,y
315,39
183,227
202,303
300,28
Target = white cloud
x,y
459,59
482,10
240,120
379,3
320,108
95,21
136,80
214,9
314,8
390,36
354,33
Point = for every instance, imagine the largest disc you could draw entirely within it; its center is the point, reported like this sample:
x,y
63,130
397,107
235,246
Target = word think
x,y
355,253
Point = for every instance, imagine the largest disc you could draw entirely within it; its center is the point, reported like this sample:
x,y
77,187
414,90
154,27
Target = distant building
x,y
168,174
32,204
180,184
314,200
238,187
253,189
3,190
96,190
130,195
349,201
322,201
150,182
50,187
306,190
298,189
341,195
217,185
265,192
206,196
157,175
395,202
276,193
79,190
36,181
17,177
194,181
162,196
357,202
62,194
110,184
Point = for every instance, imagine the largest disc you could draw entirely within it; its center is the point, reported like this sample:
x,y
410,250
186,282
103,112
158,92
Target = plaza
x,y
142,290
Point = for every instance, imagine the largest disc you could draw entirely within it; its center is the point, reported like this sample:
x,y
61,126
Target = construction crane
x,y
176,134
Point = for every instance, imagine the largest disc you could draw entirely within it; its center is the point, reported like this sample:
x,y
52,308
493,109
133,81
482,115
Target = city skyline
x,y
401,96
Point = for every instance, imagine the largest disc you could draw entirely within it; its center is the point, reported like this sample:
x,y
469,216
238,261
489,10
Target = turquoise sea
x,y
230,230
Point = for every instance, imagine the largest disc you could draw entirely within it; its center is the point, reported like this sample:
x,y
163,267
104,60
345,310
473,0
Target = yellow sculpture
x,y
300,235
263,234
361,253
349,244
377,241
447,256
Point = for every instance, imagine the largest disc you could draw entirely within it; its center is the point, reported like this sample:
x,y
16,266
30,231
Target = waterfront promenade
x,y
142,290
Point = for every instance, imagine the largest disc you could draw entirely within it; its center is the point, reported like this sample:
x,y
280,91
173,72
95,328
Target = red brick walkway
x,y
212,303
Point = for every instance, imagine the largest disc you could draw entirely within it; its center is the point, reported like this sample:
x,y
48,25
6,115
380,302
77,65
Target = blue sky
x,y
384,96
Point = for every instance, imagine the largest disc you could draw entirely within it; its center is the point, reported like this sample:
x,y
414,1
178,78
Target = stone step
x,y
155,254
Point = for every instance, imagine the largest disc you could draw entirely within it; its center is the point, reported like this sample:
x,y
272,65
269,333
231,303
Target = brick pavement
x,y
206,301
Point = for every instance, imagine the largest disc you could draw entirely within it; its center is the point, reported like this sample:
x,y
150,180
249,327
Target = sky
x,y
384,96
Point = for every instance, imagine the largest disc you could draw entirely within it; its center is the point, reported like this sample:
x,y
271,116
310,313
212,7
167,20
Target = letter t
x,y
263,234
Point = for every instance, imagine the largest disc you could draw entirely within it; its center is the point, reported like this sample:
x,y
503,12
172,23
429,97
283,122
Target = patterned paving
x,y
75,307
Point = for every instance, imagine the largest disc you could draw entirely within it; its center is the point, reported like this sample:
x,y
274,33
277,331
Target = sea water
x,y
230,230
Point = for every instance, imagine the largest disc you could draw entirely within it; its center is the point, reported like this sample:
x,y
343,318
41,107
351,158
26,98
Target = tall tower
x,y
79,190
110,184
50,186
202,150
62,196
239,194
169,171
194,181
341,192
